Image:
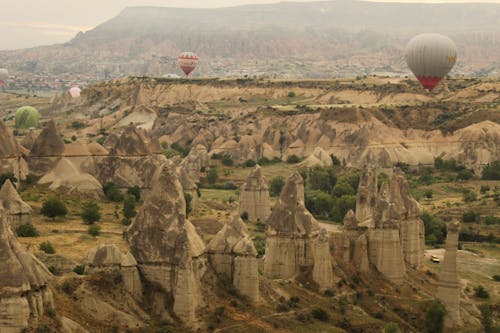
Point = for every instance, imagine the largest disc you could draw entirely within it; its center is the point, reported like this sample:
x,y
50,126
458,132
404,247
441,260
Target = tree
x,y
276,186
53,207
434,319
129,207
91,213
293,159
481,292
112,192
435,229
135,191
492,171
322,179
470,216
26,230
47,248
341,206
7,175
188,198
94,230
343,188
486,319
227,160
212,176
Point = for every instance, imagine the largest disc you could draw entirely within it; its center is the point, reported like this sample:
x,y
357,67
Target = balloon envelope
x,y
26,117
430,57
187,62
75,92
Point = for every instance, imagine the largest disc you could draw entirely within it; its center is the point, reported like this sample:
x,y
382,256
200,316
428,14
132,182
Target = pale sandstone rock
x,y
46,150
350,221
232,254
169,252
293,238
319,157
196,159
189,186
18,212
322,270
366,197
108,257
69,326
10,154
254,196
130,143
24,290
448,291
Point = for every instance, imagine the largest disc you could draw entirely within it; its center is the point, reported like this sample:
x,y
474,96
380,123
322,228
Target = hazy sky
x,y
27,23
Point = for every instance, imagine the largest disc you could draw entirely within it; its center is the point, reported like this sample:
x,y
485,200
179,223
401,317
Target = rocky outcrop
x,y
366,196
189,186
293,240
169,252
406,214
232,254
108,257
10,154
29,139
130,162
46,150
448,291
196,159
18,211
319,157
254,196
130,143
24,290
322,273
66,176
384,244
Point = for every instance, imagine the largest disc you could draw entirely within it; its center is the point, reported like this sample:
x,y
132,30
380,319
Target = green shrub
x,y
491,220
129,207
94,230
212,176
135,191
318,203
126,221
435,229
470,216
496,277
79,269
484,189
112,192
291,94
465,174
319,178
188,198
469,196
486,319
492,171
320,314
5,176
481,292
250,163
182,149
428,194
276,186
293,159
47,248
244,216
391,328
91,213
54,207
343,188
227,160
434,319
335,159
77,124
27,230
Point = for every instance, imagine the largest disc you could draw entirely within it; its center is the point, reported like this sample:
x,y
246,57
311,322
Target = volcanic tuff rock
x,y
233,256
130,143
318,157
169,251
18,212
194,161
66,176
189,186
24,291
108,257
366,197
254,196
29,139
46,150
8,145
448,291
293,240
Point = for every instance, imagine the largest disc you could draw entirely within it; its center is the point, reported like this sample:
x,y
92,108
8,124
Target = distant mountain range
x,y
318,39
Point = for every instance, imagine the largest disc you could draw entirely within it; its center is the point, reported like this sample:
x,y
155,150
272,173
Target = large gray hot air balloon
x,y
4,75
430,57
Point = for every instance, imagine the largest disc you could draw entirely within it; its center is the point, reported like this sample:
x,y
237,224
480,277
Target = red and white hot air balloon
x,y
4,75
187,62
75,92
430,57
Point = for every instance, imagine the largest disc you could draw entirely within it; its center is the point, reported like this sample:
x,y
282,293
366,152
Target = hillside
x,y
294,40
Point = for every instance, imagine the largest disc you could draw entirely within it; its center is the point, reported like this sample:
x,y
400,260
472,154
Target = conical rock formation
x,y
318,157
108,257
18,211
232,254
130,143
254,196
366,197
293,240
24,291
46,150
169,252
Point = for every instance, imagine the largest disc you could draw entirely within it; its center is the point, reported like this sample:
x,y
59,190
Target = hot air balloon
x,y
4,75
26,117
430,57
187,62
75,92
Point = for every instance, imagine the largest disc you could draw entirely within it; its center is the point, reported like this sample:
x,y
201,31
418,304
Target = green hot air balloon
x,y
26,117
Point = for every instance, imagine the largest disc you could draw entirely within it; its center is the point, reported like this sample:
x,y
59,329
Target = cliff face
x,y
254,196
